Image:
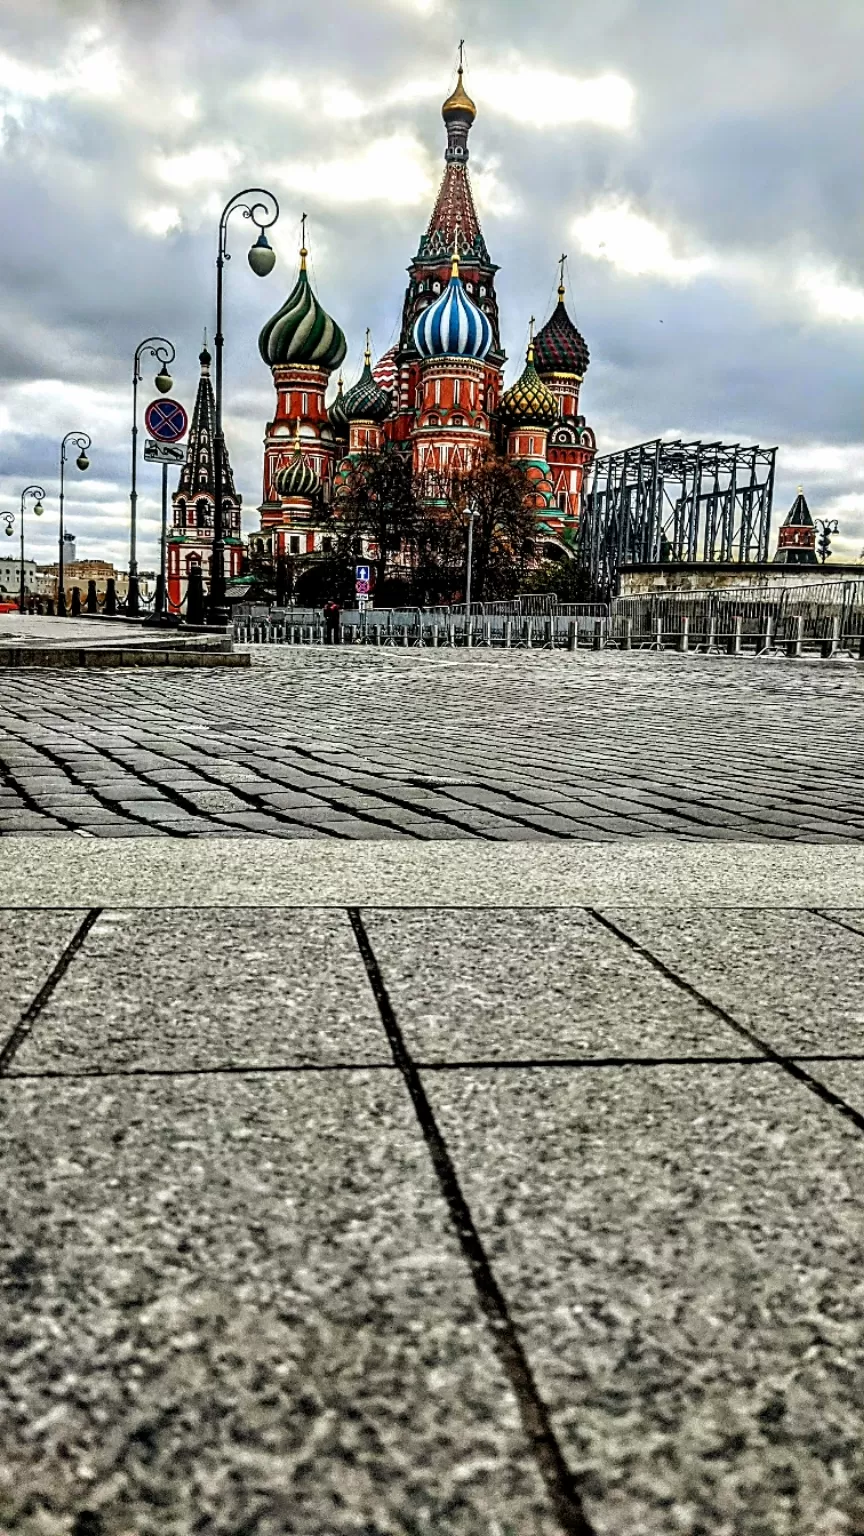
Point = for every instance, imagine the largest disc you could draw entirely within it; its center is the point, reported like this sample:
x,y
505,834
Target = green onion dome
x,y
297,478
302,332
366,400
336,413
529,402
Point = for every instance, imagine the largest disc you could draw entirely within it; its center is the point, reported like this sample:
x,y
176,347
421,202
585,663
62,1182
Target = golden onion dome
x,y
529,402
459,103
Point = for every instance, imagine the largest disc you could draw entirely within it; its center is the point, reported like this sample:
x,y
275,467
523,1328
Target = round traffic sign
x,y
166,420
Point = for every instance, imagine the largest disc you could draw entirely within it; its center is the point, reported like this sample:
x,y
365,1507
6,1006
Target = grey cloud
x,y
745,139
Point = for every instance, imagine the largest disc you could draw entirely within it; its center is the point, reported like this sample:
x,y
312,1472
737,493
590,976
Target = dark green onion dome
x,y
297,478
559,347
336,413
366,400
302,332
529,402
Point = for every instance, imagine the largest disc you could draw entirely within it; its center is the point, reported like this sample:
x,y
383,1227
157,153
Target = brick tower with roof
x,y
796,538
454,226
190,538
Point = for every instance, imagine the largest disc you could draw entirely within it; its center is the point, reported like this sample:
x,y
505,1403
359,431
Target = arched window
x,y
457,421
436,287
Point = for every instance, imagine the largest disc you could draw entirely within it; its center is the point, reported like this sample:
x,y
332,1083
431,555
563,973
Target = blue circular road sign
x,y
166,420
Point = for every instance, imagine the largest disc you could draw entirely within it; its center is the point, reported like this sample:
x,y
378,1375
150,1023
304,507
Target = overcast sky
x,y
700,163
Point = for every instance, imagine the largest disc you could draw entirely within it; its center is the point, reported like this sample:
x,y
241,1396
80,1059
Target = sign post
x,y
167,422
361,585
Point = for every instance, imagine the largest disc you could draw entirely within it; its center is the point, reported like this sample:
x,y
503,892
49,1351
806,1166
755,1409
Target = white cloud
x,y
159,219
535,98
492,195
89,68
825,461
545,98
394,170
616,233
831,298
200,166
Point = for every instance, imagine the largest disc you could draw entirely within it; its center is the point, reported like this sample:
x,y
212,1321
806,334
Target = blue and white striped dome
x,y
453,326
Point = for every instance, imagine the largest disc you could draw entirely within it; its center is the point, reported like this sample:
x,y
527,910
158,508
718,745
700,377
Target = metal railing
x,y
819,618
577,625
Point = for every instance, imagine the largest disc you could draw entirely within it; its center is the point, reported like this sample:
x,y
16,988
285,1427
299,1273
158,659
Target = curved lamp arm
x,y
263,214
158,347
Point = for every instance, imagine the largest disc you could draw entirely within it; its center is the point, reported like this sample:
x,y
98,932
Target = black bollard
x,y
76,602
61,604
195,595
159,595
110,604
92,598
133,597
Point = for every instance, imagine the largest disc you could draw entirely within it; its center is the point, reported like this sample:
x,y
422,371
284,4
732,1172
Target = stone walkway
x,y
502,1186
495,746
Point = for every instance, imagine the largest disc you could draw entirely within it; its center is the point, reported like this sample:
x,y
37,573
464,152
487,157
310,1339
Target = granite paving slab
x,y
181,990
236,1305
798,982
52,872
680,1248
511,985
33,943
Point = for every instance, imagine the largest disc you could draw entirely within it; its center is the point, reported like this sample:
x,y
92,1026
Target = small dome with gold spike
x,y
460,103
366,400
529,402
297,478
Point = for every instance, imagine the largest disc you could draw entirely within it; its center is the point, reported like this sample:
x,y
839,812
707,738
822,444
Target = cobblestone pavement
x,y
365,744
500,1223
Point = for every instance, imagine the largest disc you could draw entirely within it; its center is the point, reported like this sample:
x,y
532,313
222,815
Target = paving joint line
x,y
28,1018
109,805
542,1064
836,922
257,803
560,1482
789,1064
405,805
176,797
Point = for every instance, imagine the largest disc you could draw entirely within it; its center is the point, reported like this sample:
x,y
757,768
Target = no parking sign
x,y
166,420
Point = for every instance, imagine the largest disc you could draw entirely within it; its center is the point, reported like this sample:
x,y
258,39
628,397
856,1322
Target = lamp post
x,y
471,512
827,526
37,493
261,259
164,353
82,442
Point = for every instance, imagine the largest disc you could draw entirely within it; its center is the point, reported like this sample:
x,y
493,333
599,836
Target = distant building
x,y
70,551
796,539
10,577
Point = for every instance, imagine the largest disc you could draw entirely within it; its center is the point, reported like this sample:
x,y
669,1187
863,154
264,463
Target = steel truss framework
x,y
676,501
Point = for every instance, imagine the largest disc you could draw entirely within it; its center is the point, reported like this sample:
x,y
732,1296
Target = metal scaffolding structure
x,y
661,501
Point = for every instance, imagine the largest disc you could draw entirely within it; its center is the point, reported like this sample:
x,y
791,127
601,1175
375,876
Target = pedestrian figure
x,y
331,619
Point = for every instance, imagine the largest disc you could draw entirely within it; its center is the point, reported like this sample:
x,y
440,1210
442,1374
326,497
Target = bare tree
x,y
377,512
504,525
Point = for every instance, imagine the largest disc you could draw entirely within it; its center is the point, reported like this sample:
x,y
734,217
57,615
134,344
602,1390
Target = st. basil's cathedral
x,y
438,393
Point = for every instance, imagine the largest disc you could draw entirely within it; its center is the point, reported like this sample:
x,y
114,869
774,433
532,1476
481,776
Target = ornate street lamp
x,y
164,353
262,258
82,442
37,494
827,527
